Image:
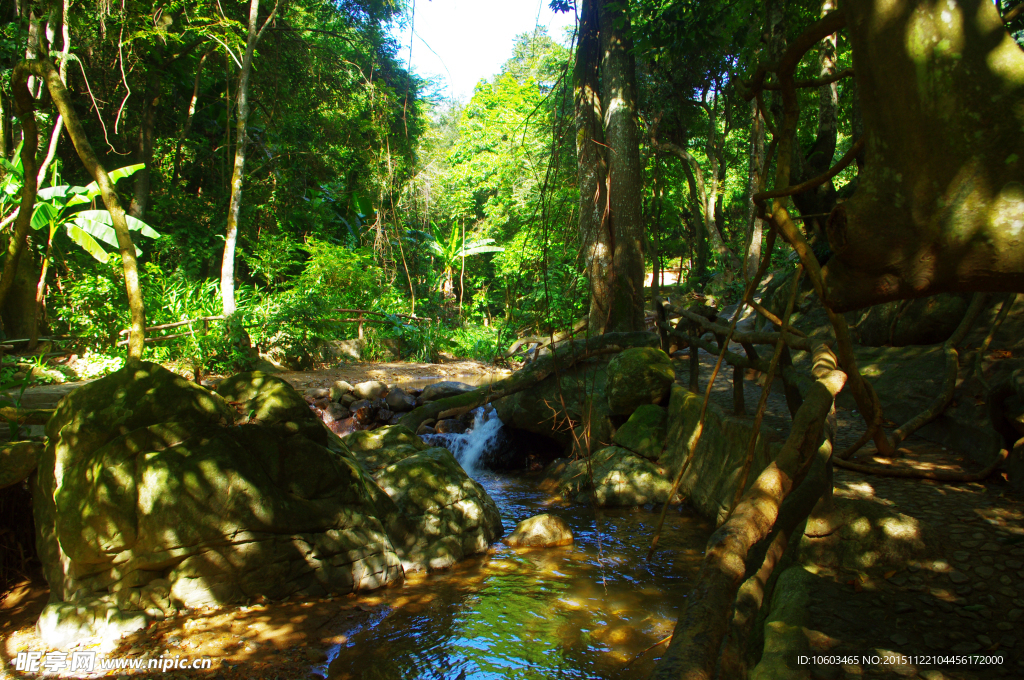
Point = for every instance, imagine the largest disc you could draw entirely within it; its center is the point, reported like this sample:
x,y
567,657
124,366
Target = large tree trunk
x,y
595,237
227,267
43,69
939,201
625,182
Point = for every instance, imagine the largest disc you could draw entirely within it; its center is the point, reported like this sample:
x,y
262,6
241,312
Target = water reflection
x,y
581,611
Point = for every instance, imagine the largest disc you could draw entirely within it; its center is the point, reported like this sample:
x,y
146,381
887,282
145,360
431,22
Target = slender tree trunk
x,y
595,237
6,136
618,79
43,69
755,225
144,148
227,268
23,106
187,127
40,295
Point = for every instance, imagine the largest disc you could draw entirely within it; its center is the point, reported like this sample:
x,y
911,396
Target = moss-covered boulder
x,y
644,432
17,461
377,449
576,396
153,494
448,515
638,376
620,478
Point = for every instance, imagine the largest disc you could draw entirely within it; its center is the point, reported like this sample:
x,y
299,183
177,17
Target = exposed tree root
x,y
762,404
937,475
697,641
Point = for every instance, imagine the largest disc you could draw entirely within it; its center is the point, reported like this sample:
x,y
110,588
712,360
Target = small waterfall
x,y
470,448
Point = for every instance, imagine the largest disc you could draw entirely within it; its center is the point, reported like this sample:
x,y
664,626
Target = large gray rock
x,y
371,389
154,494
448,388
637,376
400,401
444,515
449,515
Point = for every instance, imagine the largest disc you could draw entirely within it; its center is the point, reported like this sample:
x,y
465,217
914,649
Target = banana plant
x,y
87,228
450,253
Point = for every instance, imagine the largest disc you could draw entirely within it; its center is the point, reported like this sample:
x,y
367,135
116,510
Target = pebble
x,y
1005,580
1005,625
1008,592
899,639
985,572
934,641
958,577
1014,564
1007,641
961,556
966,648
985,640
1015,614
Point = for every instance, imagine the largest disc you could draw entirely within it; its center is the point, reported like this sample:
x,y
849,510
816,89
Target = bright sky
x,y
473,38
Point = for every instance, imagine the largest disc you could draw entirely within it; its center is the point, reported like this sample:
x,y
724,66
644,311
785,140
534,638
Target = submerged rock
x,y
638,376
620,478
540,531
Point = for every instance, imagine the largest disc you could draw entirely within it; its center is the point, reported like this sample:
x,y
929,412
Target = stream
x,y
580,611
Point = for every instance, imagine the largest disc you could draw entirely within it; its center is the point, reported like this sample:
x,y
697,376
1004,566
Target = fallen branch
x,y
937,475
544,341
939,404
697,640
754,338
561,358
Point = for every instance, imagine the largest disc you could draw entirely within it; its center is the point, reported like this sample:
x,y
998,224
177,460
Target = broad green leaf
x,y
50,193
134,224
44,214
92,189
88,243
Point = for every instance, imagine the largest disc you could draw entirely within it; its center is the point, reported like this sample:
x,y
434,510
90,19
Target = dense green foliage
x,y
362,191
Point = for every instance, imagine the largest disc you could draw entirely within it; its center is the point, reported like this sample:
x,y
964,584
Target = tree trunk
x,y
144,148
595,237
755,226
23,104
187,127
227,267
43,69
625,182
928,218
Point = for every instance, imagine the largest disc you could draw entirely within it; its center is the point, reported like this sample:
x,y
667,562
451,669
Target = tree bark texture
x,y
16,245
618,80
144,149
939,201
227,267
755,226
595,237
43,69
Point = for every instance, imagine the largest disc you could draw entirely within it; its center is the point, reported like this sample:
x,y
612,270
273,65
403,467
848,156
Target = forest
x,y
206,204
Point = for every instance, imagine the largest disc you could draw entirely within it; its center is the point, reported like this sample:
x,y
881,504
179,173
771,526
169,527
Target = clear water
x,y
581,611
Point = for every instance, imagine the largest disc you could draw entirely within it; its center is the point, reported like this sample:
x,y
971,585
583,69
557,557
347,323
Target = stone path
x,y
966,597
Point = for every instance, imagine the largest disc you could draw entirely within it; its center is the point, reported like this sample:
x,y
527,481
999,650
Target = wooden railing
x,y
360,318
206,329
